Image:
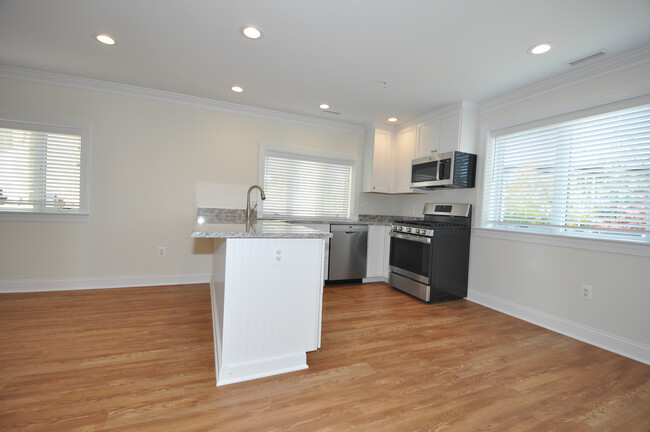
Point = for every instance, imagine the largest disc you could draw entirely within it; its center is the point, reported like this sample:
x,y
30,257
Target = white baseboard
x,y
19,286
234,373
374,279
625,347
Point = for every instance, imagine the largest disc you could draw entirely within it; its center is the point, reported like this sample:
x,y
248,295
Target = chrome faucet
x,y
248,199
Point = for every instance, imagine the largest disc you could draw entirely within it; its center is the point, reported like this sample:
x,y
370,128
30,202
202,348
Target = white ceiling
x,y
431,52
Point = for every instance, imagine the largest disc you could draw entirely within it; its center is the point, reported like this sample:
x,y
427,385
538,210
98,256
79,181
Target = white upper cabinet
x,y
377,169
405,149
387,155
428,141
448,129
450,132
387,161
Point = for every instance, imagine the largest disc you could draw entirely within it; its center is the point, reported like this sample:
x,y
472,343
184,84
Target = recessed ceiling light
x,y
324,106
540,48
392,119
237,89
105,39
251,32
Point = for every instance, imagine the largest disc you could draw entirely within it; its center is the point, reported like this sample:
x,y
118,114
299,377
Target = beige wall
x,y
152,163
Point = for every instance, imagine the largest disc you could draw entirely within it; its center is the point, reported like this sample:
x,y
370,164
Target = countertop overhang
x,y
214,227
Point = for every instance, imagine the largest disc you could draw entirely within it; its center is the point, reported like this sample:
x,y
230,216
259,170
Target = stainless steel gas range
x,y
429,258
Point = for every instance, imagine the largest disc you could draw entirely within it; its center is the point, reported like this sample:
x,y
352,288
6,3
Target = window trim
x,y
45,123
354,159
488,230
587,243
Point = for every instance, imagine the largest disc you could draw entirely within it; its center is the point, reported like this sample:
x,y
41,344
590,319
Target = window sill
x,y
611,246
42,217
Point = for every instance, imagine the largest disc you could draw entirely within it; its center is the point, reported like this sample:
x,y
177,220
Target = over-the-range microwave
x,y
445,170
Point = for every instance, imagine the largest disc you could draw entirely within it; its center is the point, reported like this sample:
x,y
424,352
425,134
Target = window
x,y
302,185
588,176
42,170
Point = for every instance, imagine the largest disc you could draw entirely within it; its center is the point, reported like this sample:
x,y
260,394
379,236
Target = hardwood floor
x,y
141,359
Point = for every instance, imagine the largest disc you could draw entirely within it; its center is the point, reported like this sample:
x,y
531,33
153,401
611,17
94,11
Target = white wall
x,y
377,204
152,163
413,204
541,283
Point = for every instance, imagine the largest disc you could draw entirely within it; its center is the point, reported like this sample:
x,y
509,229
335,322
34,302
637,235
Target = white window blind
x,y
589,176
40,169
305,186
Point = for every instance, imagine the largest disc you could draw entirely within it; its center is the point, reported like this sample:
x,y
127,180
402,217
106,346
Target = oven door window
x,y
411,256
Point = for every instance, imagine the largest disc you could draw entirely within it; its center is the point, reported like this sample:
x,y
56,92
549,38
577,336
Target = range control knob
x,y
408,229
399,228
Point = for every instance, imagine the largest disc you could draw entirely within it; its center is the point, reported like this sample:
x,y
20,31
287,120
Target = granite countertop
x,y
364,219
225,227
232,223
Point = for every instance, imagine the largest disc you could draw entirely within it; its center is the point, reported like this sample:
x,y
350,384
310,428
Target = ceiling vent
x,y
587,58
332,112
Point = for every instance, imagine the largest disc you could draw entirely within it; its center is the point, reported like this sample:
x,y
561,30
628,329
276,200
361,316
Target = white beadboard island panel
x,y
266,305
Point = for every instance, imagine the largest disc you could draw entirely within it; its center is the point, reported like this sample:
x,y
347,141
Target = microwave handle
x,y
410,237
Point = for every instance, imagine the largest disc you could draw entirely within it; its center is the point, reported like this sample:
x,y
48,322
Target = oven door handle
x,y
411,237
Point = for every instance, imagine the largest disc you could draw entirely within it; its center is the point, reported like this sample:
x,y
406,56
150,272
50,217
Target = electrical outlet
x,y
162,251
278,255
586,291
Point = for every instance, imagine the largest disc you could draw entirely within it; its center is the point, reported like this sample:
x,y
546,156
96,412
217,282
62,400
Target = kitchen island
x,y
266,292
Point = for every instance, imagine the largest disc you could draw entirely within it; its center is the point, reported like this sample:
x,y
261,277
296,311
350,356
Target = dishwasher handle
x,y
348,228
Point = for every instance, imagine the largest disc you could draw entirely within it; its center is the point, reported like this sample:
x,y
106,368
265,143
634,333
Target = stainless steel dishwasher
x,y
348,252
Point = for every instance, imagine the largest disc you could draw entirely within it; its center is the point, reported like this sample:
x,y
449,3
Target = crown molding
x,y
572,77
50,78
464,104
